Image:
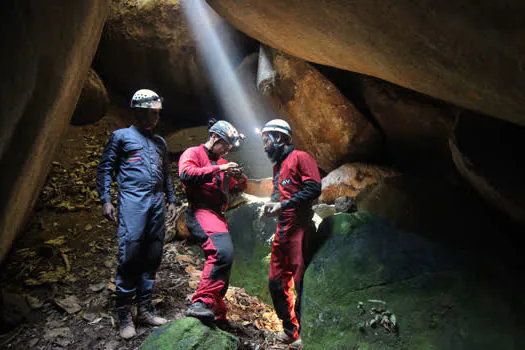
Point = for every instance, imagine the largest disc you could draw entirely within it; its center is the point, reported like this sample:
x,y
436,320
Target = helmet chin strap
x,y
276,149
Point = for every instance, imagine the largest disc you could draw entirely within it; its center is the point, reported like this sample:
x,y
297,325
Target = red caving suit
x,y
208,192
297,183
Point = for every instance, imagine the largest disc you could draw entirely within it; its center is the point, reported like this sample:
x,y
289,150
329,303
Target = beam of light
x,y
216,55
238,106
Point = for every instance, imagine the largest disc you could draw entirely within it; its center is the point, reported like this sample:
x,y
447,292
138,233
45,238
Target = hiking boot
x,y
200,310
285,338
297,344
146,315
126,326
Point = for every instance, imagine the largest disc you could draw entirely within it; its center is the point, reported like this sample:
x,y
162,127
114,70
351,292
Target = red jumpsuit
x,y
297,183
208,191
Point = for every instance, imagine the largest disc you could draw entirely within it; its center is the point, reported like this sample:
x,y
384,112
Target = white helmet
x,y
145,98
278,125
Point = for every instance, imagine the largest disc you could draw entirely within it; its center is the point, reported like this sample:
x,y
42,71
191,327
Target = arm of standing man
x,y
311,189
169,189
105,170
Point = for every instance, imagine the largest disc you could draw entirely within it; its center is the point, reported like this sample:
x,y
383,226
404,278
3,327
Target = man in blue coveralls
x,y
138,157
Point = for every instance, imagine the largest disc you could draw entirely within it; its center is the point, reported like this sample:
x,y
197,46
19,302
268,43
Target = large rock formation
x,y
416,127
50,47
467,52
324,122
375,286
149,44
93,102
489,155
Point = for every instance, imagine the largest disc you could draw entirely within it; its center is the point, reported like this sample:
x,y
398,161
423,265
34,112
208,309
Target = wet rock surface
x,y
252,236
368,270
189,333
472,61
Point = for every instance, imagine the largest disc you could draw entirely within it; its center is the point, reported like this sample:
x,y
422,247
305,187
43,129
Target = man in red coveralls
x,y
208,180
297,183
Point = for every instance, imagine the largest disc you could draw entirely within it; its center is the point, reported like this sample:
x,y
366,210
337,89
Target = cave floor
x,y
57,283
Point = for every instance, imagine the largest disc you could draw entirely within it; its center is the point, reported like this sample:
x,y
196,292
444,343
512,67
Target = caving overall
x,y
140,162
208,192
297,183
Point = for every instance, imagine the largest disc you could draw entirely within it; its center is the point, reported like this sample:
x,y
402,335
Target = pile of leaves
x,y
243,309
72,188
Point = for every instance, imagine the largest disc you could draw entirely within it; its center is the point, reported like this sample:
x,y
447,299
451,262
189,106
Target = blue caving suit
x,y
139,160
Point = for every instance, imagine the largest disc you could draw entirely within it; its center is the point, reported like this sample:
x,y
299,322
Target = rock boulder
x,y
51,46
349,179
93,102
372,286
468,52
189,333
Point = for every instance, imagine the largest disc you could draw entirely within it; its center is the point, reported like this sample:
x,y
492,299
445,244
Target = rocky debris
x,y
349,179
97,287
472,61
324,210
69,304
60,336
93,102
345,204
377,317
48,62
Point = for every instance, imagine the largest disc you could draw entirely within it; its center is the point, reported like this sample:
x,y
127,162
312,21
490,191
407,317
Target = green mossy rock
x,y
252,236
441,296
189,333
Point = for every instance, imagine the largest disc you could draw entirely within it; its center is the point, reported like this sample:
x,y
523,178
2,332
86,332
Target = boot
x,y
285,338
146,315
296,344
200,310
126,326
